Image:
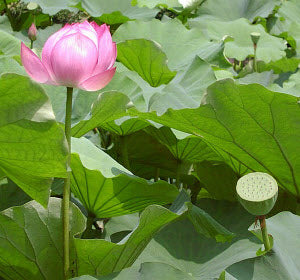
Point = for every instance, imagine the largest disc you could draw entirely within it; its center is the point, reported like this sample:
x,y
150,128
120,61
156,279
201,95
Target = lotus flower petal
x,y
75,56
33,65
98,81
50,44
80,59
107,50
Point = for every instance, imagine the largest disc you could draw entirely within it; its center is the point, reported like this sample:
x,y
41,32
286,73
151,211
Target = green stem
x,y
124,152
178,171
89,227
264,233
66,190
31,44
255,60
157,171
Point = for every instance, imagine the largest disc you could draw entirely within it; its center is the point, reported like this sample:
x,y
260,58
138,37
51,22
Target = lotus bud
x,y
32,32
257,192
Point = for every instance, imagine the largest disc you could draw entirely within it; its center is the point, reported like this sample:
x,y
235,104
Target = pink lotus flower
x,y
78,55
32,32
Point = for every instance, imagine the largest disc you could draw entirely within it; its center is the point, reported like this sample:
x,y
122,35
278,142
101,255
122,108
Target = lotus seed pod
x,y
255,37
32,6
257,192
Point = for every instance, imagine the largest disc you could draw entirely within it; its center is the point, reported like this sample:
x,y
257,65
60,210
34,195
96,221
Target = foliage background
x,y
185,116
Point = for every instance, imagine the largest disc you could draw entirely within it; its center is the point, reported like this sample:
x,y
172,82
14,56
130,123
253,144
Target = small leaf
x,y
147,59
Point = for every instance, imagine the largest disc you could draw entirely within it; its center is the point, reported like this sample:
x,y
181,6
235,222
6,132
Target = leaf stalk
x,y
66,189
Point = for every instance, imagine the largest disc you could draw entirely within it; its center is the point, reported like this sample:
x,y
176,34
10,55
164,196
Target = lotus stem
x,y
124,152
89,226
157,171
264,232
66,190
178,171
255,59
31,44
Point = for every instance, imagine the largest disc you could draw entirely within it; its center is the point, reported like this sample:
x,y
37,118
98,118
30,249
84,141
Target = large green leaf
x,y
280,66
11,194
268,48
282,263
98,8
286,16
166,258
54,6
109,106
82,102
10,65
125,126
180,50
100,257
153,3
147,59
201,257
31,240
183,146
186,89
9,45
218,179
33,148
270,128
235,9
146,155
131,84
290,86
106,189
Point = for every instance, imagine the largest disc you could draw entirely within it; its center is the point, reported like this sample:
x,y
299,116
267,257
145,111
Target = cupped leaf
x,y
106,189
33,148
115,257
147,59
31,240
270,122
